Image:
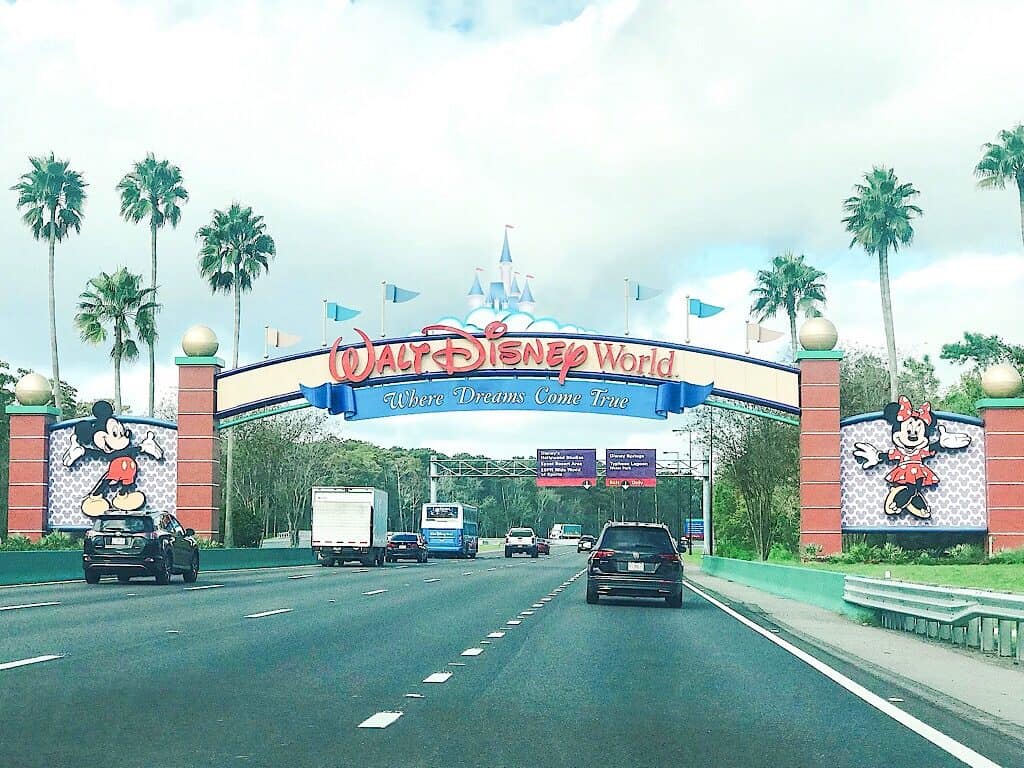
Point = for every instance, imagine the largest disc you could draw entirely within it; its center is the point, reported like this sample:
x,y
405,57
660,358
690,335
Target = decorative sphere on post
x,y
818,335
199,341
1001,381
33,389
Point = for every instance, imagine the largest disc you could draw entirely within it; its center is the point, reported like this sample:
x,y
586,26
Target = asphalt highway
x,y
294,666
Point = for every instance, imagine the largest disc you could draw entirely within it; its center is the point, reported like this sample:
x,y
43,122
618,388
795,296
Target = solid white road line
x,y
437,677
26,605
268,613
205,586
961,752
495,634
302,576
375,592
430,581
26,662
472,652
380,720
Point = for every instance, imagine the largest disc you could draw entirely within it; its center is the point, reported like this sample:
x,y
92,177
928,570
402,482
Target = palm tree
x,y
51,196
154,189
118,301
235,249
1004,162
879,220
791,285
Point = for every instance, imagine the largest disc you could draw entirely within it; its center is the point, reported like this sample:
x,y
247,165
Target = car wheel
x,y
592,596
422,558
124,578
472,556
534,553
92,576
166,567
192,573
508,553
675,601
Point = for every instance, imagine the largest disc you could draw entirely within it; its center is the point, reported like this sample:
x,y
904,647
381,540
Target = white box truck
x,y
350,524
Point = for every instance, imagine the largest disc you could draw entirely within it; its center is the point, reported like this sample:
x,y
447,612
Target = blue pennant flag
x,y
334,398
397,295
340,313
677,396
699,309
643,293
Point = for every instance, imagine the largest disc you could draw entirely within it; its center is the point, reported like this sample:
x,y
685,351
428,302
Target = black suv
x,y
151,544
635,560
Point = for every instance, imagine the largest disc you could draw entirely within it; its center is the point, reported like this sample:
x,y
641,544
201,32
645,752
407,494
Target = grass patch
x,y
1000,577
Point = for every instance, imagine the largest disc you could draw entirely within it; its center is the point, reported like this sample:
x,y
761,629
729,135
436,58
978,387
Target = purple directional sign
x,y
630,467
566,467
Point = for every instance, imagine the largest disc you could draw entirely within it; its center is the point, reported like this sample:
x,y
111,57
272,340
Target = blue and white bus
x,y
450,528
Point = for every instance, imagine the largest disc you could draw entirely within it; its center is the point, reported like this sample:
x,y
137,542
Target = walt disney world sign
x,y
449,369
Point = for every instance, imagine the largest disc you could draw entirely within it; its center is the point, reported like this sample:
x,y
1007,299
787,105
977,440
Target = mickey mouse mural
x,y
915,435
106,437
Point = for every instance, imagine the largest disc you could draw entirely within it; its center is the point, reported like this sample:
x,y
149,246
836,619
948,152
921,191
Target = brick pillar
x,y
29,469
819,450
1004,470
198,497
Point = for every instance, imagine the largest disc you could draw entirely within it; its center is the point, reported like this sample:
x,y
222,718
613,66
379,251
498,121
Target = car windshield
x,y
404,537
637,539
520,532
123,524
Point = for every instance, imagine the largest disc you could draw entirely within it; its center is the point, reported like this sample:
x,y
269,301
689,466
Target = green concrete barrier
x,y
808,585
65,565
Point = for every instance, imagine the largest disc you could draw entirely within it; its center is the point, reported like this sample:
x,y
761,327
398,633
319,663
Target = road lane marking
x,y
403,566
361,570
472,652
26,662
302,576
485,642
205,586
438,677
468,573
960,751
269,613
380,720
430,581
456,664
496,634
414,695
173,631
537,605
26,605
513,622
375,592
492,569
526,613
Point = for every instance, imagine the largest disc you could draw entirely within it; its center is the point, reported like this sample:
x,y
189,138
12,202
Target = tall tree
x,y
879,220
120,302
153,188
791,285
51,196
1003,162
235,249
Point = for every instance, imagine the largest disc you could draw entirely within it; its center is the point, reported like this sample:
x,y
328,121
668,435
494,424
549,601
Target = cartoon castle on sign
x,y
504,293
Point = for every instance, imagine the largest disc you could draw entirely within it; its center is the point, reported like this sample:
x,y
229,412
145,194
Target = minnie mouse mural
x,y
915,434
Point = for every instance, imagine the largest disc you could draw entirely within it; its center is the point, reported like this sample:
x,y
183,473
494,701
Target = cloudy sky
x,y
679,144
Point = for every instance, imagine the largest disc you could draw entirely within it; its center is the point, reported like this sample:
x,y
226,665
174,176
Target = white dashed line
x,y
485,642
26,662
361,570
403,566
205,586
468,573
430,581
414,695
492,569
513,622
375,592
526,613
302,576
456,664
380,720
472,652
173,632
438,677
496,634
537,605
268,613
26,605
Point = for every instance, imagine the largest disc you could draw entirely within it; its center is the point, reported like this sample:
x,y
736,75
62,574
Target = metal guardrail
x,y
991,622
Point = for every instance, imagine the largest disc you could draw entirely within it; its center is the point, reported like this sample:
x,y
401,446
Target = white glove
x,y
74,452
867,453
953,440
150,448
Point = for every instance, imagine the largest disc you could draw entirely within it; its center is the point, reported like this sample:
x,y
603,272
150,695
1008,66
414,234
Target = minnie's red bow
x,y
907,411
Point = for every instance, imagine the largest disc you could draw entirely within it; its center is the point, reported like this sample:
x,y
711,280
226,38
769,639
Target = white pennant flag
x,y
760,334
276,338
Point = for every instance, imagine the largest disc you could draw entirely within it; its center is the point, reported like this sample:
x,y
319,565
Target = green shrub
x,y
208,543
1009,557
893,553
16,544
781,552
811,552
736,551
966,553
58,540
860,552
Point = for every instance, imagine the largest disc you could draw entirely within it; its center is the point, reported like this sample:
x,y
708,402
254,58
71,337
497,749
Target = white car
x,y
521,540
585,544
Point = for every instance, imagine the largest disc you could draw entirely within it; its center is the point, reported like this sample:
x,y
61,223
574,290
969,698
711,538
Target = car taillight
x,y
670,556
601,554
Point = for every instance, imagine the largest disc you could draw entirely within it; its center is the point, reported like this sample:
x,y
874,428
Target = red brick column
x,y
819,450
29,469
198,497
1004,470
